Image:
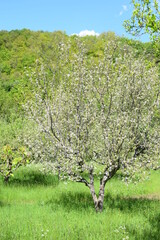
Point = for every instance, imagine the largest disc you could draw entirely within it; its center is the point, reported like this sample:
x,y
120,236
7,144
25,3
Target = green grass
x,y
35,206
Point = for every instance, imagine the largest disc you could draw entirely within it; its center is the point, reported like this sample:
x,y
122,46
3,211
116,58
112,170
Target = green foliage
x,y
11,130
19,50
145,18
11,159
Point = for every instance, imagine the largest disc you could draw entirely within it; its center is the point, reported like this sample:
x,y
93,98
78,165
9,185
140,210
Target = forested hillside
x,y
19,50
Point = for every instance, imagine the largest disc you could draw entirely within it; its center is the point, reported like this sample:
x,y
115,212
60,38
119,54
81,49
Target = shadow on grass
x,y
72,201
130,204
83,200
1,204
154,233
149,208
145,207
28,177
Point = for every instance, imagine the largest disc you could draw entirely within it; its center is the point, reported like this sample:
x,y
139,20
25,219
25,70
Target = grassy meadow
x,y
35,206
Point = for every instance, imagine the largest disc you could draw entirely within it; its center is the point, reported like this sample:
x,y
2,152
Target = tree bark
x,y
98,202
6,179
100,198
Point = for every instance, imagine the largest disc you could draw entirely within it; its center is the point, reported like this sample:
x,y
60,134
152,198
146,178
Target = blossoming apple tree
x,y
95,117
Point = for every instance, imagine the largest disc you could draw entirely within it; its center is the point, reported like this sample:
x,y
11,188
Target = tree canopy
x,y
95,117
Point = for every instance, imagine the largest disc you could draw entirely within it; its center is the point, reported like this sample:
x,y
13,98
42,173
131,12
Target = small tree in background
x,y
97,118
11,159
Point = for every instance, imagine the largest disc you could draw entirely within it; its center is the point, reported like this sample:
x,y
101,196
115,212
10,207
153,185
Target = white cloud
x,y
125,8
86,33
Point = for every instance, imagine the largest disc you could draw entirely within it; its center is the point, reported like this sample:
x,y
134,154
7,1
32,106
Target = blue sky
x,y
72,16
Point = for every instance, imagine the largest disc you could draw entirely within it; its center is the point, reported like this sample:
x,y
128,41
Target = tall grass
x,y
36,206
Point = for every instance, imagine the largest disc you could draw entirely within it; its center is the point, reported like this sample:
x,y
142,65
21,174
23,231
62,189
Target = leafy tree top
x,y
145,18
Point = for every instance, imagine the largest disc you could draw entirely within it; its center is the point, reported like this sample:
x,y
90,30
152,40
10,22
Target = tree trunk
x,y
100,199
9,168
6,178
98,202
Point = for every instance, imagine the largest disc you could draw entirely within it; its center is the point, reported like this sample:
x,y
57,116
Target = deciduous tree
x,y
11,159
95,119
